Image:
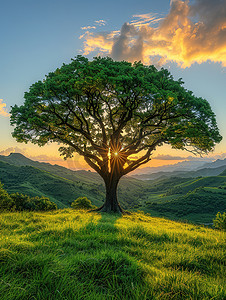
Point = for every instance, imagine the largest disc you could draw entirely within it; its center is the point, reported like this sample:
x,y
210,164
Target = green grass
x,y
35,182
200,205
70,254
192,199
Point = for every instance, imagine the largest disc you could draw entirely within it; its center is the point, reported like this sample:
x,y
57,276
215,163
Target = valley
x,y
192,199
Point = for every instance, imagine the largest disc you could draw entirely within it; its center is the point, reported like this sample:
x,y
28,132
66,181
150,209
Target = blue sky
x,y
38,36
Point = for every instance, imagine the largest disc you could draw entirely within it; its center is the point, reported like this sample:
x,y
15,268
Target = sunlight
x,y
109,153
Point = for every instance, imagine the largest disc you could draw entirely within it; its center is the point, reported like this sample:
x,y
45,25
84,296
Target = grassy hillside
x,y
199,205
193,199
20,160
35,182
62,187
76,255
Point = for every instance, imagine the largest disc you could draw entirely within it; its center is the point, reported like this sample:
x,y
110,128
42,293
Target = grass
x,y
198,206
70,254
196,200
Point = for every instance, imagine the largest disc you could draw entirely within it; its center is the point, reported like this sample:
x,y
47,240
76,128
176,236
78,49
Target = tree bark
x,y
111,203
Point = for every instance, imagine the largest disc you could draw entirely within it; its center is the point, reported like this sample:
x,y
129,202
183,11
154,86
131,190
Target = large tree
x,y
114,114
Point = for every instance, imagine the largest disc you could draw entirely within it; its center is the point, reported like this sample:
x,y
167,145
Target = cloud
x,y
190,33
145,19
102,41
3,111
172,157
7,151
88,27
100,22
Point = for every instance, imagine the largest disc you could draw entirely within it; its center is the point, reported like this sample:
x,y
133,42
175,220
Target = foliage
x,y
220,221
20,202
5,199
71,255
112,112
199,205
159,197
82,203
43,204
35,182
134,98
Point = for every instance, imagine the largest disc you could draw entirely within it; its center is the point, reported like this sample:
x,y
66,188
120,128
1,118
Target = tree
x,y
5,200
114,114
220,221
82,203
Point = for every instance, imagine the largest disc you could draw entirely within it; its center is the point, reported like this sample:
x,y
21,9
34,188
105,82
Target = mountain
x,y
217,163
18,159
21,174
210,171
194,168
179,197
36,182
183,166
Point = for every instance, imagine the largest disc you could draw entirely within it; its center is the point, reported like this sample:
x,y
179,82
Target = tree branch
x,y
142,160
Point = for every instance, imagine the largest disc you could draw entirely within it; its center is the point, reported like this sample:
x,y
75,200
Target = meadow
x,y
69,254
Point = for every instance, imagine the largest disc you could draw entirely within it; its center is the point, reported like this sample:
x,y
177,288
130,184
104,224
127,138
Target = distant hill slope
x,y
201,205
35,182
19,173
210,171
196,199
18,159
223,173
215,164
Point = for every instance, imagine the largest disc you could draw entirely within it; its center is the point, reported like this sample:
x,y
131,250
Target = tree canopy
x,y
114,114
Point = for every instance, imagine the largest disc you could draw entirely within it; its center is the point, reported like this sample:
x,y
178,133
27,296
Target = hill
x,y
203,172
223,173
35,182
76,255
193,199
200,204
217,163
61,185
18,159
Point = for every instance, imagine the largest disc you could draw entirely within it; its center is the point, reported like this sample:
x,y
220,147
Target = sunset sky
x,y
187,37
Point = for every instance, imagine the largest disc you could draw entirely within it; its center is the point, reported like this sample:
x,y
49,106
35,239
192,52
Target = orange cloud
x,y
189,33
3,111
101,42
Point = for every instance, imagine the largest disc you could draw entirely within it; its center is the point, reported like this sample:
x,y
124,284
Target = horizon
x,y
100,30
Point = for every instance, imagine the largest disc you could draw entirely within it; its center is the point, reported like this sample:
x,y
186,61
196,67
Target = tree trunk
x,y
111,203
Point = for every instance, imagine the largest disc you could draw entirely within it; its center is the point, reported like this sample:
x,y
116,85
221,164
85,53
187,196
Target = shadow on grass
x,y
103,262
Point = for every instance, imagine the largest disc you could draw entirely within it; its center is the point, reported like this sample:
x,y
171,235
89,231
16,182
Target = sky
x,y
186,37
